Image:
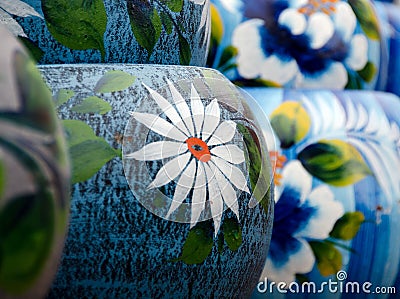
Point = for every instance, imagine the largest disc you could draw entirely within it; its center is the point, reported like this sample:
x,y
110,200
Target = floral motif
x,y
202,157
301,213
310,43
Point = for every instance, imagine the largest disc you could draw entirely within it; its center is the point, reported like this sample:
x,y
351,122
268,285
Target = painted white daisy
x,y
203,161
302,213
322,45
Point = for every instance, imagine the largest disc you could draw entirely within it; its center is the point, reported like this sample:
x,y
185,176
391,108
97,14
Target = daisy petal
x,y
292,19
334,77
168,109
223,134
320,29
278,70
159,125
345,20
197,111
182,107
199,194
234,174
296,178
300,261
328,211
229,152
358,55
183,187
211,119
158,150
170,170
226,189
216,203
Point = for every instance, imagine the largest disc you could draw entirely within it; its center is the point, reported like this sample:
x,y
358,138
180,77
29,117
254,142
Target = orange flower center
x,y
326,6
277,162
199,149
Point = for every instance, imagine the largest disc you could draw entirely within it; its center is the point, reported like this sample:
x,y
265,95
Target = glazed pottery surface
x,y
34,177
125,240
122,31
298,44
337,211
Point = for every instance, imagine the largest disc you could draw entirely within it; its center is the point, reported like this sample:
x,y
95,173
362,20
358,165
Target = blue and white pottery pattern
x,y
309,44
330,214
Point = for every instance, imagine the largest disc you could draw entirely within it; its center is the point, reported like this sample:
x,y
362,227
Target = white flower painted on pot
x,y
202,159
302,213
8,8
311,43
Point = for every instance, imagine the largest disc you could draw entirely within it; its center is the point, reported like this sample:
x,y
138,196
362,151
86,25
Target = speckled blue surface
x,y
118,249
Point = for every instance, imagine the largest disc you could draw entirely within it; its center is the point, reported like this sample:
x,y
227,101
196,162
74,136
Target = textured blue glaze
x,y
116,248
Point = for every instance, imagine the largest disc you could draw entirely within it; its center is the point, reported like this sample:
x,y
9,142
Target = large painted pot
x,y
337,211
298,44
34,177
125,31
165,201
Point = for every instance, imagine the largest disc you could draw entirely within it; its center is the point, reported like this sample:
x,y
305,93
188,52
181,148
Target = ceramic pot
x,y
34,177
298,44
147,219
337,205
127,31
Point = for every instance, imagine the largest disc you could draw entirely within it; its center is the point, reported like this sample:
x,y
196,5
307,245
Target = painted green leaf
x,y
347,227
335,162
366,17
34,95
185,54
198,244
232,233
174,5
62,96
77,24
92,104
88,152
166,21
329,259
354,81
114,81
290,122
145,23
2,178
368,72
33,49
227,54
259,169
26,234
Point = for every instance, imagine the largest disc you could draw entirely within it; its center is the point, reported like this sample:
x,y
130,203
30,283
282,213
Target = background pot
x,y
117,245
34,177
134,31
299,44
359,131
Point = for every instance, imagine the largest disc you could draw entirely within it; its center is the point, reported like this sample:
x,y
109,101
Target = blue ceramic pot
x,y
128,31
143,224
34,177
337,211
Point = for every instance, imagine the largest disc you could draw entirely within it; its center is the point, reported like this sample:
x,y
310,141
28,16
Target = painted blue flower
x,y
303,43
301,213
